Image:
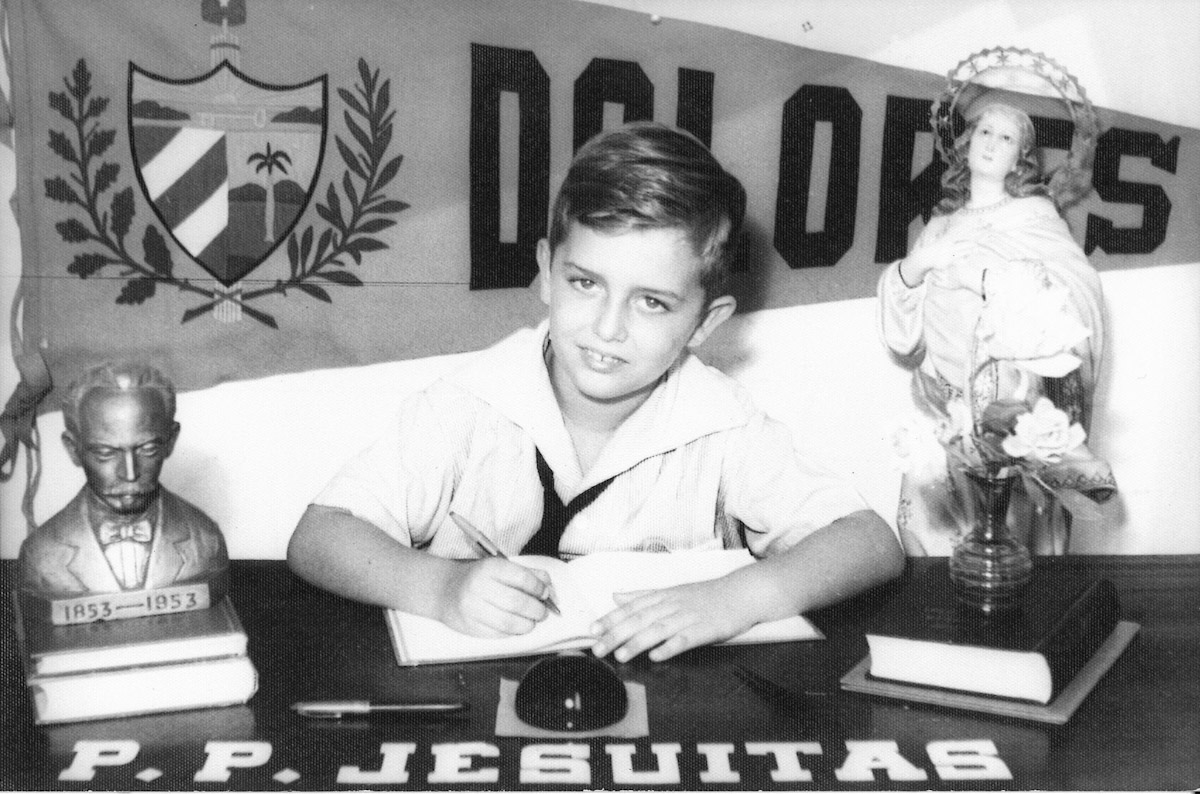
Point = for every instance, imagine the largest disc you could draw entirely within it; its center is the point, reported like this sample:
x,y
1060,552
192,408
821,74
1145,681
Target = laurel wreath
x,y
348,236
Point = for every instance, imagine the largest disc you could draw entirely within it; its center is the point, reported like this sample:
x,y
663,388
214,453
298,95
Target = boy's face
x,y
623,306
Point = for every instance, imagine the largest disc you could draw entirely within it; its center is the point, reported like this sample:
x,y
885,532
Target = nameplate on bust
x,y
131,604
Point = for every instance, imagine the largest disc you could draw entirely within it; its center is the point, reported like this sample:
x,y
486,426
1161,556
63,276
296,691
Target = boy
x,y
600,430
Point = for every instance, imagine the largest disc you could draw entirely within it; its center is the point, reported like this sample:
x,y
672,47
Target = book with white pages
x,y
143,665
142,689
153,639
583,589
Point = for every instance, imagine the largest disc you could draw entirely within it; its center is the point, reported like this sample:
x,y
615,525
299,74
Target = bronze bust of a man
x,y
123,531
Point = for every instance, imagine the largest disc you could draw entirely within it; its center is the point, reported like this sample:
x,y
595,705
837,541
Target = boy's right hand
x,y
494,597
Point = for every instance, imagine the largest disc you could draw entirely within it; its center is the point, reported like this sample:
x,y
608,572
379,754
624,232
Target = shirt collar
x,y
692,401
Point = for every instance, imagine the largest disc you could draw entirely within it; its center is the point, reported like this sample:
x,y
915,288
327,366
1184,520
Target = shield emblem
x,y
227,162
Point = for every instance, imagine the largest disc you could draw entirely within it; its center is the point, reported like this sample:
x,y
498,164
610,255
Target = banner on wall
x,y
236,188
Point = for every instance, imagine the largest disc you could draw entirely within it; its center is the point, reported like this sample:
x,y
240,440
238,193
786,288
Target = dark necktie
x,y
556,515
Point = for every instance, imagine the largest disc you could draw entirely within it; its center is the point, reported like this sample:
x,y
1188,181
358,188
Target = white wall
x,y
1138,56
253,467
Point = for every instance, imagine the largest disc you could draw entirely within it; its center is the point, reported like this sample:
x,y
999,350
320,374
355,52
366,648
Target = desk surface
x,y
1140,729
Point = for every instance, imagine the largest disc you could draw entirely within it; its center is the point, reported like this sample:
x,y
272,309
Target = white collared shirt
x,y
692,466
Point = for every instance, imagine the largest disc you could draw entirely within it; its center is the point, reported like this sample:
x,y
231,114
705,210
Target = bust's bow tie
x,y
140,531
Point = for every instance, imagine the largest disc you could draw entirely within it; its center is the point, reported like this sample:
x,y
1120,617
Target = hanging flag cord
x,y
6,114
18,422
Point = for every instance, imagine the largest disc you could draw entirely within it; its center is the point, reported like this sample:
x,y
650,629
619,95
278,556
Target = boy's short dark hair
x,y
646,175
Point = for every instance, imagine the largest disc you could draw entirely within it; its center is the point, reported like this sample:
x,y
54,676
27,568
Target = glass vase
x,y
990,568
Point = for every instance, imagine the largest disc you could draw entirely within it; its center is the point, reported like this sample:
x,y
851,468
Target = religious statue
x,y
124,533
998,311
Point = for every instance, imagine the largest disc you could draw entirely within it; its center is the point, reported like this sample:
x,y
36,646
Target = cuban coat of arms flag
x,y
229,189
226,162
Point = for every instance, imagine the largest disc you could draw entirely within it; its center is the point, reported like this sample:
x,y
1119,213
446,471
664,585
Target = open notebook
x,y
583,588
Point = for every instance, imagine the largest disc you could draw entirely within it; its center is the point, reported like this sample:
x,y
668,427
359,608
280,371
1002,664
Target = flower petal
x,y
1055,366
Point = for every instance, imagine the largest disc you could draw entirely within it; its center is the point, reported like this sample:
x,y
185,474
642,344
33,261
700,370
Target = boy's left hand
x,y
669,621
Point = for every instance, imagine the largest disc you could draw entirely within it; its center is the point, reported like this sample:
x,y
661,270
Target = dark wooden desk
x,y
1140,729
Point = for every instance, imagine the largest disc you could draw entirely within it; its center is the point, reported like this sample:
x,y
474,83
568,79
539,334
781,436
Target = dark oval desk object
x,y
571,692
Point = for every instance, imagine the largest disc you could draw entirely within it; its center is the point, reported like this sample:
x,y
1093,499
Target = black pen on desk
x,y
492,550
336,709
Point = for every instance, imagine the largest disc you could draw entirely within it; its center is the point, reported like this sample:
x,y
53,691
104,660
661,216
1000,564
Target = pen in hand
x,y
485,545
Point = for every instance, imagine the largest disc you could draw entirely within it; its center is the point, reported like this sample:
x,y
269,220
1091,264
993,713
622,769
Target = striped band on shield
x,y
186,176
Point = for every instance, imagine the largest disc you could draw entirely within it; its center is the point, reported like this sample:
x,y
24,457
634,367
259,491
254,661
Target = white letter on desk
x,y
394,768
787,758
223,755
622,764
556,763
717,769
89,755
866,756
967,760
452,763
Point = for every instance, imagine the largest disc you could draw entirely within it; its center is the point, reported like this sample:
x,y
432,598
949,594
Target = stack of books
x,y
143,665
1038,662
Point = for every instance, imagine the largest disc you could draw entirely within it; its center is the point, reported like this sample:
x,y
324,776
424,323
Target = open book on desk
x,y
584,590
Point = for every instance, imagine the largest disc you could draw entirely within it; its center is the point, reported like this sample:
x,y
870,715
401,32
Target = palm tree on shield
x,y
270,160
